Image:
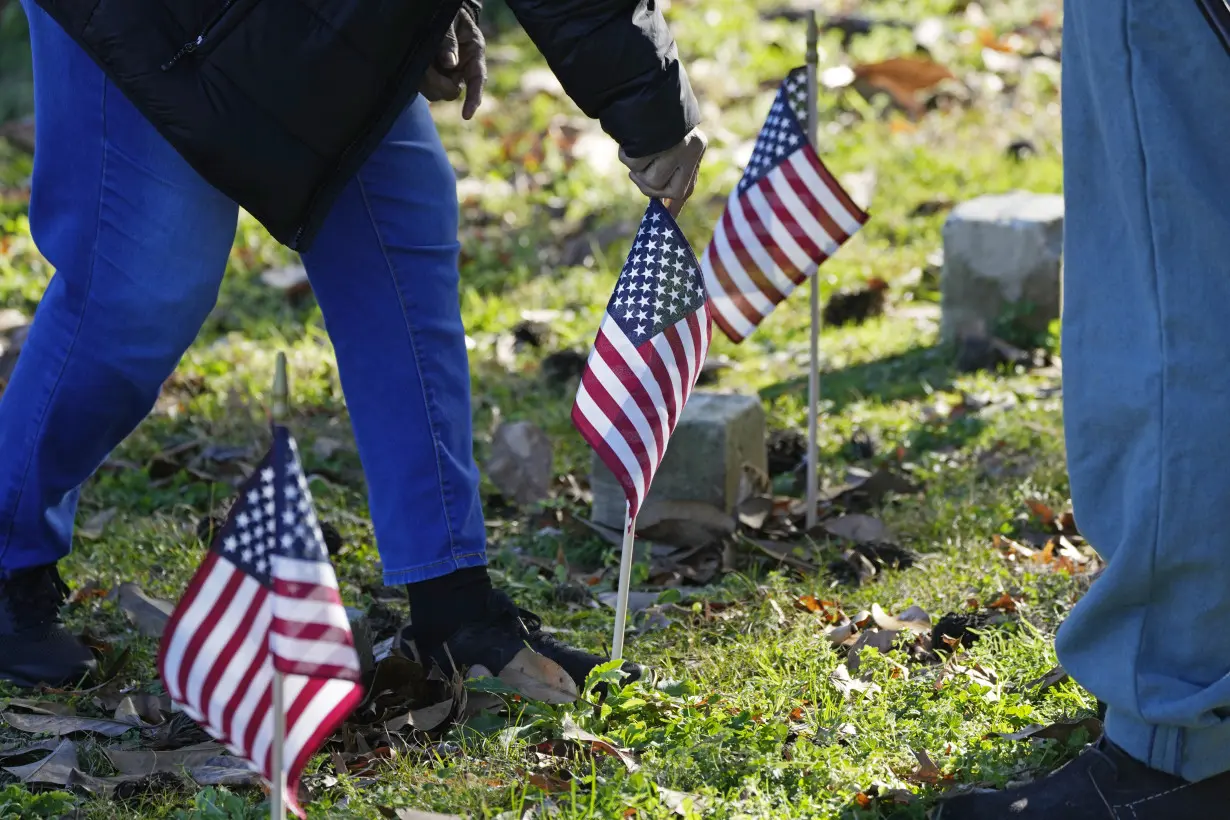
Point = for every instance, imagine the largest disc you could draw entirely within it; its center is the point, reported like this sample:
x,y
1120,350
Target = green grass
x,y
752,723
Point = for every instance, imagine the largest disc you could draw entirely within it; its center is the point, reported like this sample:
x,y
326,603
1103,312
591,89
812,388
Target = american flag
x,y
265,598
650,348
787,215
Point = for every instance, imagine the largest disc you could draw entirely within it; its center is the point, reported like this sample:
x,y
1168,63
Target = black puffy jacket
x,y
277,103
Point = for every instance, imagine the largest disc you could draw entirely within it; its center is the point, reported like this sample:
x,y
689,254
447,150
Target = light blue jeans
x,y
1146,350
139,242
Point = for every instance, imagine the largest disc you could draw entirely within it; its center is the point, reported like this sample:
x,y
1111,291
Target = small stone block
x,y
716,436
1002,250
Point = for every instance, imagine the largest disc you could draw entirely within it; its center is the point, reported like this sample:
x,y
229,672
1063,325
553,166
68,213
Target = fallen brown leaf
x,y
1004,603
1041,511
65,724
927,772
539,678
857,527
902,78
55,769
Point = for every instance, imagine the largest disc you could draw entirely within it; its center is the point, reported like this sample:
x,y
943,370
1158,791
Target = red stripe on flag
x,y
750,267
814,207
229,651
686,377
177,615
606,349
232,705
325,726
733,292
262,710
206,627
659,369
304,631
619,420
304,591
765,237
608,457
860,216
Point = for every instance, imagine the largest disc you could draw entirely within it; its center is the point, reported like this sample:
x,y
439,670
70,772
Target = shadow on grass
x,y
902,377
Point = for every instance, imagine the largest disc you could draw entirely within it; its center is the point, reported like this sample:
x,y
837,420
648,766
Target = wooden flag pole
x,y
277,787
625,586
813,375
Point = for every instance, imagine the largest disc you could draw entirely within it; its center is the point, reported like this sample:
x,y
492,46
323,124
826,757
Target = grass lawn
x,y
754,711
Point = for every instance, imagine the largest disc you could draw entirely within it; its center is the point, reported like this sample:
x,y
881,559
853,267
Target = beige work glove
x,y
669,175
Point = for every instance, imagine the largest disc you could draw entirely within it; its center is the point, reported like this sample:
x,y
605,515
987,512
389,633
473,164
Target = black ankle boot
x,y
35,648
1104,783
492,635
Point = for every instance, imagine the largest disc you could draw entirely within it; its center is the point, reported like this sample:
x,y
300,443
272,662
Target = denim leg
x,y
139,242
384,270
1146,344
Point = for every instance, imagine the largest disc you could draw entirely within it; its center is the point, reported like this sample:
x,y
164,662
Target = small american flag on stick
x,y
786,216
265,598
650,348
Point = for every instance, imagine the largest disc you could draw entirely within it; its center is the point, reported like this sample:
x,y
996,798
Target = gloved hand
x,y
670,174
462,60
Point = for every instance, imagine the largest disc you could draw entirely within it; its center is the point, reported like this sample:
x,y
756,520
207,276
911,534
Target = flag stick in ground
x,y
277,787
625,585
649,351
813,370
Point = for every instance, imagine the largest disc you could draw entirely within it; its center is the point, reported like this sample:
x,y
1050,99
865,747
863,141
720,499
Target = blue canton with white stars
x,y
784,131
661,282
273,515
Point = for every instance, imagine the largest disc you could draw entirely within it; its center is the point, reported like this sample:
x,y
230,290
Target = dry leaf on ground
x,y
539,678
682,803
902,78
65,724
847,684
857,527
55,769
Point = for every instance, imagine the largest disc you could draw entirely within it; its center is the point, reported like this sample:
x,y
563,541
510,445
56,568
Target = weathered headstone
x,y
1002,253
700,476
521,462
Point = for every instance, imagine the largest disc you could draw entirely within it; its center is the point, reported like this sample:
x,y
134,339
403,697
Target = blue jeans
x,y
1146,349
140,241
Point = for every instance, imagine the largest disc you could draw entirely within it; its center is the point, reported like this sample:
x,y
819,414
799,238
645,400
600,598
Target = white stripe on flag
x,y
245,711
628,352
304,572
322,652
309,612
734,269
613,438
229,622
801,213
823,194
619,392
720,301
689,353
233,676
297,736
185,630
754,247
780,234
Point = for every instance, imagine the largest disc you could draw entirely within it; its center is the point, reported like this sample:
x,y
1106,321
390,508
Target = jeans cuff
x,y
436,569
1190,753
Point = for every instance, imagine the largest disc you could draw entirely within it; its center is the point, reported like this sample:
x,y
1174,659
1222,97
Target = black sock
x,y
439,606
